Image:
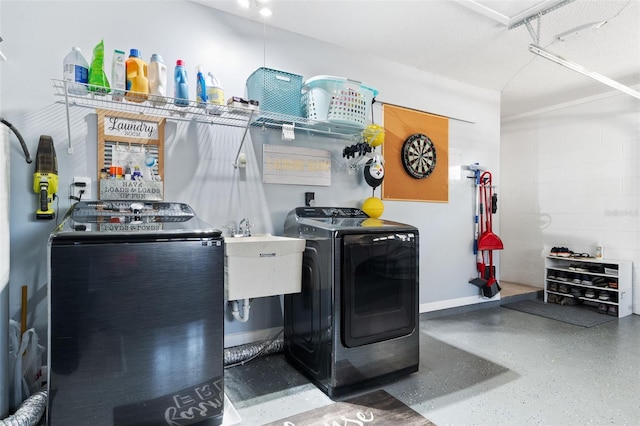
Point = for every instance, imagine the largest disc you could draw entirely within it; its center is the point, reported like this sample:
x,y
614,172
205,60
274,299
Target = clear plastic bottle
x,y
137,81
76,72
181,88
157,80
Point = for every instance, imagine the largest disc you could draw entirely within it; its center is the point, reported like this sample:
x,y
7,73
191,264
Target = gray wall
x,y
572,178
198,157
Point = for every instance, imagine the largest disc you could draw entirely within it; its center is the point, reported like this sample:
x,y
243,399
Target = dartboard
x,y
419,156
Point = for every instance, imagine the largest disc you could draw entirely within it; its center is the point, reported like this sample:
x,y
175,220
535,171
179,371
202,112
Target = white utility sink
x,y
262,265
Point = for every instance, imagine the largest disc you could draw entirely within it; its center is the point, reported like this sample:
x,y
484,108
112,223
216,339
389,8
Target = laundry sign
x,y
125,127
296,166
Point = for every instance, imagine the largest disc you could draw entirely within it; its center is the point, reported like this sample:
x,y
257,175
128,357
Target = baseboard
x,y
455,303
237,339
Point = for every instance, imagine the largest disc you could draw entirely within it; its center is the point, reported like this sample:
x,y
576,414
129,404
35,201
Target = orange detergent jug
x,y
137,80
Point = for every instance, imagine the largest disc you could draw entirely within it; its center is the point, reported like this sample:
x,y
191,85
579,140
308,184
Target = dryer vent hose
x,y
20,139
244,353
30,411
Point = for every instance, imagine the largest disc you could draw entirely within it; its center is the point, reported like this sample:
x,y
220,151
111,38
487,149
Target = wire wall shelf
x,y
207,113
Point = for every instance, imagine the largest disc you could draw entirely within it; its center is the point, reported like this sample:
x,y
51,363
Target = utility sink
x,y
262,265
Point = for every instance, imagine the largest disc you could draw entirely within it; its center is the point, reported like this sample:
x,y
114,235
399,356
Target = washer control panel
x,y
330,212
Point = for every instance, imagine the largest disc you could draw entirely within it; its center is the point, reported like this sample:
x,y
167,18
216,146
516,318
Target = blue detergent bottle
x,y
201,88
181,87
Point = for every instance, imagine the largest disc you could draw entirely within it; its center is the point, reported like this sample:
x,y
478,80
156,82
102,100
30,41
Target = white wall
x,y
571,177
4,263
198,157
4,268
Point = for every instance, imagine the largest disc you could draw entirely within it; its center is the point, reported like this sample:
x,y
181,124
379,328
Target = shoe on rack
x,y
562,276
552,298
576,279
600,281
554,251
564,252
581,255
553,287
613,284
576,292
613,310
598,269
602,308
586,280
604,296
590,294
563,288
570,301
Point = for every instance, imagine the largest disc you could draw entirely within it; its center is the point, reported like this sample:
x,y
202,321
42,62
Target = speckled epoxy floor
x,y
493,366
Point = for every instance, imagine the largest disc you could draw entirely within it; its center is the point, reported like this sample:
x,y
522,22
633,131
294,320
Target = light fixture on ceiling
x,y
259,5
265,11
584,71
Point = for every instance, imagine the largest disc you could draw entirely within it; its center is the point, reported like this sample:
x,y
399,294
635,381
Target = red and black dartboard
x,y
419,156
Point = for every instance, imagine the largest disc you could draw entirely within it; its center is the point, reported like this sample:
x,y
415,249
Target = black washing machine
x,y
355,321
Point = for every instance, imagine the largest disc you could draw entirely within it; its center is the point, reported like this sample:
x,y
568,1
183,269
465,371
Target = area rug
x,y
374,408
582,316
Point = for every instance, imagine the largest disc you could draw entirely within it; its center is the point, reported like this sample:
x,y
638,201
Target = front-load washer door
x,y
379,287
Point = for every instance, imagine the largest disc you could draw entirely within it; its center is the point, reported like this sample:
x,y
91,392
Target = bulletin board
x,y
133,143
399,125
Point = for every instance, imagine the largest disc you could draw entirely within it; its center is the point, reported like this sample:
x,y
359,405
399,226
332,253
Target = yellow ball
x,y
373,135
372,223
373,207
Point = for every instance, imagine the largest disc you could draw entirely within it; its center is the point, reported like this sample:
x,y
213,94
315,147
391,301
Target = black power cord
x,y
77,185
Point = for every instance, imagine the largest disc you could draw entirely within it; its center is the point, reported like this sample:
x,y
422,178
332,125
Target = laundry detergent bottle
x,y
215,92
181,86
157,80
76,72
137,80
118,75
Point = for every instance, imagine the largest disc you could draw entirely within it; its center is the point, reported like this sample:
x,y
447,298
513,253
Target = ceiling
x,y
480,42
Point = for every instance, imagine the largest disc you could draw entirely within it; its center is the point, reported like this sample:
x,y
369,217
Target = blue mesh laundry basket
x,y
277,91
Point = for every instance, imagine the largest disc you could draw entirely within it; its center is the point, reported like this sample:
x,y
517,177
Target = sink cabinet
x,y
262,266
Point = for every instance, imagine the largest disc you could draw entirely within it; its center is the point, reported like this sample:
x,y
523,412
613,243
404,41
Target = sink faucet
x,y
244,227
232,228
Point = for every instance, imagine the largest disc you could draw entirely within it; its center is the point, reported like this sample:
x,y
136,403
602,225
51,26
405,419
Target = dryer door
x,y
379,287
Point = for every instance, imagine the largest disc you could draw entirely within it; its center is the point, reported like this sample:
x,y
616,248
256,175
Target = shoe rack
x,y
602,285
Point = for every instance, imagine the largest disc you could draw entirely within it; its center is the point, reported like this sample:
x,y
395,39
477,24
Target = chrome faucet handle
x,y
244,227
232,229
